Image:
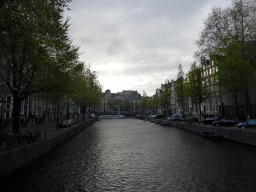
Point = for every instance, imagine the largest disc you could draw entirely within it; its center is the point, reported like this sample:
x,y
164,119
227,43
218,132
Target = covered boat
x,y
163,123
111,116
209,135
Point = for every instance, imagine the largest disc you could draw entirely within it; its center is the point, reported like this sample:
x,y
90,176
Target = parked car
x,y
71,121
174,118
65,124
207,121
248,124
192,118
159,116
225,122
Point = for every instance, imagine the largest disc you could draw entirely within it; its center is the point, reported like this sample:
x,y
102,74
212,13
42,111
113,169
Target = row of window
x,y
211,105
210,71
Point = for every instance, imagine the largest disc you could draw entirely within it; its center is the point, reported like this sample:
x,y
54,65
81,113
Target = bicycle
x,y
7,139
37,136
2,144
12,139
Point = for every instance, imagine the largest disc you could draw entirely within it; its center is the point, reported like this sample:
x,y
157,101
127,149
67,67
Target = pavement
x,y
47,131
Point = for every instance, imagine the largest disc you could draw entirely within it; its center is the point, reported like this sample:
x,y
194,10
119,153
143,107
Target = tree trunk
x,y
236,108
16,114
77,114
200,113
57,124
84,113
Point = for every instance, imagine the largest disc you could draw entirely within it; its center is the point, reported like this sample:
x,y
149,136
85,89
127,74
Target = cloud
x,y
137,44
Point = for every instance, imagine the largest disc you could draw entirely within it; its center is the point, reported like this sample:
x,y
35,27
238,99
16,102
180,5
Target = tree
x,y
234,72
144,102
95,90
224,26
150,104
179,88
80,92
122,104
233,24
36,51
197,86
156,101
132,105
165,98
111,104
87,90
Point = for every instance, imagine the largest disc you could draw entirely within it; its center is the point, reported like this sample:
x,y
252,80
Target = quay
x,y
247,136
13,159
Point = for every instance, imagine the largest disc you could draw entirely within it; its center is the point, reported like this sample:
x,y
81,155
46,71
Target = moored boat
x,y
163,123
98,119
111,116
209,135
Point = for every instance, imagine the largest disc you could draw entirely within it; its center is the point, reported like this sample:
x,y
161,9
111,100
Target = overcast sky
x,y
138,44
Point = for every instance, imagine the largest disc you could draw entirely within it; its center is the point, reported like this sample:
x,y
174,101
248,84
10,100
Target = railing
x,y
9,140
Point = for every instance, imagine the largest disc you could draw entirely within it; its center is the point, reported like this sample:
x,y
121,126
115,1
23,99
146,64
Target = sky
x,y
138,44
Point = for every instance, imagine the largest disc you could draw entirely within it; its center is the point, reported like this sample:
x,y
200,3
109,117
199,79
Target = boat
x,y
163,123
209,135
152,120
98,119
111,116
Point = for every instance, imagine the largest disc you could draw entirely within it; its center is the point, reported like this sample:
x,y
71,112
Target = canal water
x,y
136,155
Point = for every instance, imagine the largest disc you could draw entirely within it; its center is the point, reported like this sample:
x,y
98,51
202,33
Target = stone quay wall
x,y
247,136
15,159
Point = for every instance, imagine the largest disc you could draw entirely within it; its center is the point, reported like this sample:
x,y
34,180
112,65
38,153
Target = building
x,y
124,102
211,106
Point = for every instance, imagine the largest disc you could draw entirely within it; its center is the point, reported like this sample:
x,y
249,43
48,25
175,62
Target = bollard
x,y
45,132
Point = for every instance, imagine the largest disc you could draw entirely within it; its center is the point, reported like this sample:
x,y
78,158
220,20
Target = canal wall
x,y
15,159
247,136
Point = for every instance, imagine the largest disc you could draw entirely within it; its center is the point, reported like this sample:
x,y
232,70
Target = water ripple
x,y
134,155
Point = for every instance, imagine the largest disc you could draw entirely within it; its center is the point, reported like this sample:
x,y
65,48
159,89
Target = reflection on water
x,y
135,155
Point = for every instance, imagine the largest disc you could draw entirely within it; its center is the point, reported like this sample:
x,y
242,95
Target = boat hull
x,y
111,116
209,135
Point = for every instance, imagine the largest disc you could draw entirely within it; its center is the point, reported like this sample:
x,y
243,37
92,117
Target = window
x,y
44,105
36,104
33,105
208,105
215,105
